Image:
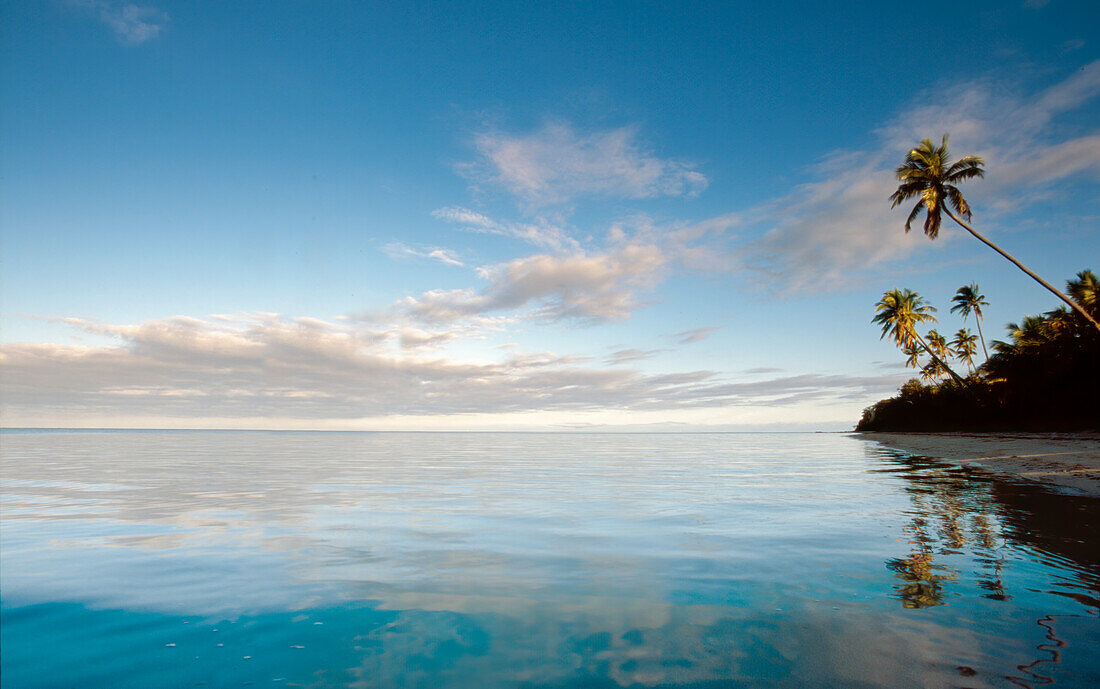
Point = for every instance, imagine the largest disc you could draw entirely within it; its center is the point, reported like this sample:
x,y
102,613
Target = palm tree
x,y
932,371
898,312
928,173
938,344
966,345
911,354
1085,290
969,299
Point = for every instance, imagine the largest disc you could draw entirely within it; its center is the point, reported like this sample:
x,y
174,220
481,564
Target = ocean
x,y
152,559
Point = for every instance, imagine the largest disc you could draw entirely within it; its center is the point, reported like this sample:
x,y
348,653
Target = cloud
x,y
1072,45
399,250
624,356
556,164
593,288
541,233
132,24
414,338
838,225
762,369
268,366
695,334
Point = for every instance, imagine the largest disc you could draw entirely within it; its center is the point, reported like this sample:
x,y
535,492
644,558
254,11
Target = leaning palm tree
x,y
969,299
966,346
929,173
899,312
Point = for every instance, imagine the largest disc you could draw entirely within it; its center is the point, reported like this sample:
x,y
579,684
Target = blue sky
x,y
654,215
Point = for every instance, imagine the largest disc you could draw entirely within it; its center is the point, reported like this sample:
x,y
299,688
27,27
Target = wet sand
x,y
1067,460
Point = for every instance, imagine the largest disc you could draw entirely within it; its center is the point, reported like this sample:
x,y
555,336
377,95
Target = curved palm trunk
x,y
1072,304
978,321
958,379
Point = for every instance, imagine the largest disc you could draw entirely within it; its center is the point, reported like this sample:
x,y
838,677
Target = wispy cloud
x,y
841,219
625,356
557,164
400,250
265,365
594,288
541,233
132,24
695,334
1072,45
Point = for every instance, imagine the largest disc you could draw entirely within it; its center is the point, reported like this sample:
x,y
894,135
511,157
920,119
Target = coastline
x,y
1065,460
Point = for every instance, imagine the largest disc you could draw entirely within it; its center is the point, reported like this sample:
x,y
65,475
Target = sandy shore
x,y
1066,460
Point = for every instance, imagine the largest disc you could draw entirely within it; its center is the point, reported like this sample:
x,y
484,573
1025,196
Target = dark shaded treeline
x,y
1045,377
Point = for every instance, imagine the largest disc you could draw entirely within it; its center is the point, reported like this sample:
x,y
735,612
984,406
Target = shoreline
x,y
1065,460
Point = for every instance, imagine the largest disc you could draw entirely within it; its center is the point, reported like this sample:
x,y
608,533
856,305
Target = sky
x,y
514,216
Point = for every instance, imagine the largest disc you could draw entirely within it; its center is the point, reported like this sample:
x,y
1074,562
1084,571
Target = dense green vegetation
x,y
1046,376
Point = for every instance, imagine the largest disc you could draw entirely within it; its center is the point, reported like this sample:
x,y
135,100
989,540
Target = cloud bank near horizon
x,y
265,365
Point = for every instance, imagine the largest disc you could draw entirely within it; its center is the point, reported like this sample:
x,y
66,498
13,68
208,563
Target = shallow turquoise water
x,y
224,559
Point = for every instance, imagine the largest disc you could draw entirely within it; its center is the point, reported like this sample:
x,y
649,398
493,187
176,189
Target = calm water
x,y
180,559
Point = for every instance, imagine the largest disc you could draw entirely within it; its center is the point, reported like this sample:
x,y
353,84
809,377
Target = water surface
x,y
225,559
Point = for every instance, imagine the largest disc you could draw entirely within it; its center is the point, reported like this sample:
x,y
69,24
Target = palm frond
x,y
965,168
913,216
955,198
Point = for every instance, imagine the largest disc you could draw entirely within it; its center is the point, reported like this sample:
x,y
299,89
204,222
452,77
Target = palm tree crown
x,y
929,173
969,299
1085,290
965,345
912,353
938,343
898,312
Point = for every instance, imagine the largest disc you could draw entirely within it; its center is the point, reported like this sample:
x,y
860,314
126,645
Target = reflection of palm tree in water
x,y
922,587
995,560
1055,657
957,512
953,512
960,509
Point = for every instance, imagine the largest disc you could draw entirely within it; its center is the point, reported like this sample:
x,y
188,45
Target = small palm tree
x,y
929,173
932,371
899,312
966,346
938,343
969,299
911,354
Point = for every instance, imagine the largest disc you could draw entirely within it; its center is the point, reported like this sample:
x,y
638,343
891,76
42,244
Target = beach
x,y
1066,460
